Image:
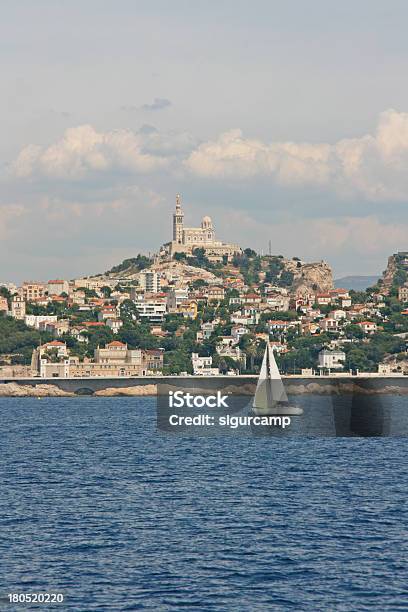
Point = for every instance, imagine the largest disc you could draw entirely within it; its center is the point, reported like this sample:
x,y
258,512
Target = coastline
x,y
245,385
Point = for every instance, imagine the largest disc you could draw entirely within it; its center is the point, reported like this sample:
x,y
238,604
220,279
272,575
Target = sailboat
x,y
270,395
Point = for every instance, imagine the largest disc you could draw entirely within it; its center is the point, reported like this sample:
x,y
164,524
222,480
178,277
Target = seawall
x,y
144,386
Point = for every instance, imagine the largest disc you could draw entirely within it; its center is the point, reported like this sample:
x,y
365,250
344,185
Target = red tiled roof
x,y
279,322
93,324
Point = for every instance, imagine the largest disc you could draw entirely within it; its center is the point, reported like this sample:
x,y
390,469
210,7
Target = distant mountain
x,y
358,283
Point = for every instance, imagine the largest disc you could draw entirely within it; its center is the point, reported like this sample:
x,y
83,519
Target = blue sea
x,y
95,504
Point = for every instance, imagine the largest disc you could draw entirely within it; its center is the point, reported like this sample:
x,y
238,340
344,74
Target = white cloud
x,y
374,166
167,142
83,150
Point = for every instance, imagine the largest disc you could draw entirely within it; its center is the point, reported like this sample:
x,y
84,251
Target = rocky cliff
x,y
310,277
389,272
396,271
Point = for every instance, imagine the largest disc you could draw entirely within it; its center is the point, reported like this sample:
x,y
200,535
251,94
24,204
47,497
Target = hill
x,y
396,273
253,269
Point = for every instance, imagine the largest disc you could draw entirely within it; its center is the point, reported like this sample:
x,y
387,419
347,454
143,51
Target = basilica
x,y
186,239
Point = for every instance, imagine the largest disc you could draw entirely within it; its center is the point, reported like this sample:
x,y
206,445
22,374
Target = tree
x,y
140,262
128,311
106,291
177,361
356,359
90,293
286,279
16,337
297,359
248,344
200,258
353,331
138,336
358,297
4,292
199,283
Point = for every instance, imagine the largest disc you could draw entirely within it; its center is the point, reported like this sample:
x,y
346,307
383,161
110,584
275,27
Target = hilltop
x,y
293,274
129,268
396,272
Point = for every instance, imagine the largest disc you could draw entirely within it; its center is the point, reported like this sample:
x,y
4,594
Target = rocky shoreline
x,y
14,389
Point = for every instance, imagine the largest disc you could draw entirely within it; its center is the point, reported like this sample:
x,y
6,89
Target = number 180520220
x,y
39,598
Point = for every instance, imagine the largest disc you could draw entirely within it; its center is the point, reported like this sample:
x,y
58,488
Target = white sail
x,y
261,399
278,392
270,395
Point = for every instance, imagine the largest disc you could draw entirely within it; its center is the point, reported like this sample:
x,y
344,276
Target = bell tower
x,y
178,221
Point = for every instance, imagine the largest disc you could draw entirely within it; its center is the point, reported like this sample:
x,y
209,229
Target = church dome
x,y
206,222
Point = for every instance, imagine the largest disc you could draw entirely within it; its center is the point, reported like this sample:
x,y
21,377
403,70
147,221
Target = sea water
x,y
95,504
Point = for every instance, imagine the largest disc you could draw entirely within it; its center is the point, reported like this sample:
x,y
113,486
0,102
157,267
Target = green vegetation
x,y
140,262
18,340
179,334
4,292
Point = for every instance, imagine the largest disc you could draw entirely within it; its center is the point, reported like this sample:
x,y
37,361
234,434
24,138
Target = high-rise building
x,y
149,281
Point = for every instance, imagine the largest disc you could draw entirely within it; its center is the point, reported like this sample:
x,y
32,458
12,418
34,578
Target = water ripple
x,y
95,504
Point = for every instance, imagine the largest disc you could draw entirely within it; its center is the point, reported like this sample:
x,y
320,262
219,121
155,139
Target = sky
x,y
285,121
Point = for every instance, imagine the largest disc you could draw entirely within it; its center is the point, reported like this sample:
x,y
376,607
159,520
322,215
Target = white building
x,y
241,319
58,286
114,324
176,297
329,324
186,239
368,327
150,281
35,320
234,352
237,331
331,360
338,314
202,366
108,312
51,360
278,302
151,309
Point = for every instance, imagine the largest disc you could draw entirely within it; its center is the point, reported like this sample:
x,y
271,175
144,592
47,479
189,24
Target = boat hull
x,y
278,409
